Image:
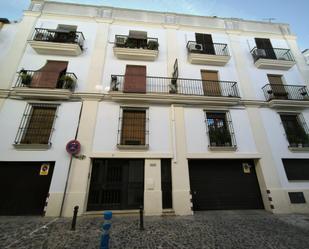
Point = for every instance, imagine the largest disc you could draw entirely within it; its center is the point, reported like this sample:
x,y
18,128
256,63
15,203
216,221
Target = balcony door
x,y
135,79
211,86
277,86
265,44
206,41
49,75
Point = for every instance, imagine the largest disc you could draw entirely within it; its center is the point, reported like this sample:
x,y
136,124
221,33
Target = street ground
x,y
211,229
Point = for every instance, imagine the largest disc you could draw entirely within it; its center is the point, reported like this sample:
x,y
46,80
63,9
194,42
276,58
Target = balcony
x,y
173,86
285,92
30,85
57,42
217,54
273,58
128,48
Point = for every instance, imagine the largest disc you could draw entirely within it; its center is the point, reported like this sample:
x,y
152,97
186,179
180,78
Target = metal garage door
x,y
224,185
24,187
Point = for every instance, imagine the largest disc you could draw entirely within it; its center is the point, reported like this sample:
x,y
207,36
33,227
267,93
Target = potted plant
x,y
153,45
68,81
25,77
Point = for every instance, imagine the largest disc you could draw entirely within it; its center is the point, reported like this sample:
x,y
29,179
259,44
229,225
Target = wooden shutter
x,y
266,45
133,127
277,86
211,84
49,75
39,125
206,41
135,79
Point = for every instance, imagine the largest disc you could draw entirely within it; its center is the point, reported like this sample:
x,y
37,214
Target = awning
x,y
137,34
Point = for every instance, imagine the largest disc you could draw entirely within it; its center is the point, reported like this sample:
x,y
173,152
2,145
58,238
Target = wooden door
x,y
206,41
211,86
135,79
277,86
48,76
266,45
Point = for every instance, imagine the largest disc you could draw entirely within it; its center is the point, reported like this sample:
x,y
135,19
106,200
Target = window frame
x,y
121,145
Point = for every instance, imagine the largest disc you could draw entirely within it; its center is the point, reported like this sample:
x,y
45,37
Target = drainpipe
x,y
174,133
70,165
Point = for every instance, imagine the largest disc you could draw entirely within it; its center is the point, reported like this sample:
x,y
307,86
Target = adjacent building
x,y
175,113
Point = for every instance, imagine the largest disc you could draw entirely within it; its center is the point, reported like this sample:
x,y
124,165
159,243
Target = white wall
x,y
106,131
77,64
65,129
279,145
197,137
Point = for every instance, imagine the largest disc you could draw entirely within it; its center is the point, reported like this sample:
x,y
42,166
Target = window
x,y
220,130
133,127
37,124
296,169
296,130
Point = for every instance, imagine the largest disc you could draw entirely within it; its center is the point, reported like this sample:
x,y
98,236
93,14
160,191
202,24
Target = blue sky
x,y
294,12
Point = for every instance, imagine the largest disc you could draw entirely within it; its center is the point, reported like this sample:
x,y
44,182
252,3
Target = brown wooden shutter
x,y
277,86
135,79
133,127
206,41
39,126
48,76
211,84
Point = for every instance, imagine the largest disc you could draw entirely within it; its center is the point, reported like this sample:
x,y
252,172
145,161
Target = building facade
x,y
175,113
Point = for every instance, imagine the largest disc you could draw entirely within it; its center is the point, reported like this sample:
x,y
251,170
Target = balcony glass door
x,y
265,45
277,86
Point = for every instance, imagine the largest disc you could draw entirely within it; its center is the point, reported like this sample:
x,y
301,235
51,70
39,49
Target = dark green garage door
x,y
24,187
224,185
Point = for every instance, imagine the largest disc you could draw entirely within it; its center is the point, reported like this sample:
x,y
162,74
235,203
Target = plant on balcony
x,y
153,45
68,82
219,136
25,77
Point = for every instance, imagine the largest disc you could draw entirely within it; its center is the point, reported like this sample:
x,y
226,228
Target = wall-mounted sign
x,y
246,168
73,147
44,169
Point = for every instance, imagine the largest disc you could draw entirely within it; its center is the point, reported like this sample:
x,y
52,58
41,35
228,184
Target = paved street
x,y
216,229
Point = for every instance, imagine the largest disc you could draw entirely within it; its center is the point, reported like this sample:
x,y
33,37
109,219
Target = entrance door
x,y
166,183
23,187
277,86
268,48
206,41
224,184
116,184
211,86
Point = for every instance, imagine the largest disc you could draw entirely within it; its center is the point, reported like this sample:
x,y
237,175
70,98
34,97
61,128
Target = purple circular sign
x,y
73,147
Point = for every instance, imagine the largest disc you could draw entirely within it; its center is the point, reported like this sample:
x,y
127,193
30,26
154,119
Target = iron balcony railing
x,y
124,41
26,78
290,92
165,85
62,36
272,53
213,48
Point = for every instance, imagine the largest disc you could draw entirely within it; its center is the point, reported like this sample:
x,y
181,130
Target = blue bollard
x,y
106,226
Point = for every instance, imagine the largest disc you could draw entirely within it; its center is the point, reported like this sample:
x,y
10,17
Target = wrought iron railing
x,y
272,53
62,36
165,85
124,41
26,78
290,92
212,48
223,135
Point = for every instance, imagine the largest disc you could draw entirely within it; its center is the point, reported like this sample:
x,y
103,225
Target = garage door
x,y
24,187
224,185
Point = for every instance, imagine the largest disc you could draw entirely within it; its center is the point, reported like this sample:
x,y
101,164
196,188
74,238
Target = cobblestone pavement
x,y
213,229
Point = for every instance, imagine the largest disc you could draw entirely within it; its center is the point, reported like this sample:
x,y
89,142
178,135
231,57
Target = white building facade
x,y
174,113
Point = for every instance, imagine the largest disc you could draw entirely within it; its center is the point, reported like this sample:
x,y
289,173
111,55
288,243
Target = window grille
x,y
37,124
220,129
133,127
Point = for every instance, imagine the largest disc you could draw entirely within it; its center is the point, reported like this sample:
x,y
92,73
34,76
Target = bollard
x,y
141,218
74,218
106,226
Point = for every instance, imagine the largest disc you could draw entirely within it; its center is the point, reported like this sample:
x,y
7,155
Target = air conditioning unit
x,y
259,52
195,47
121,40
